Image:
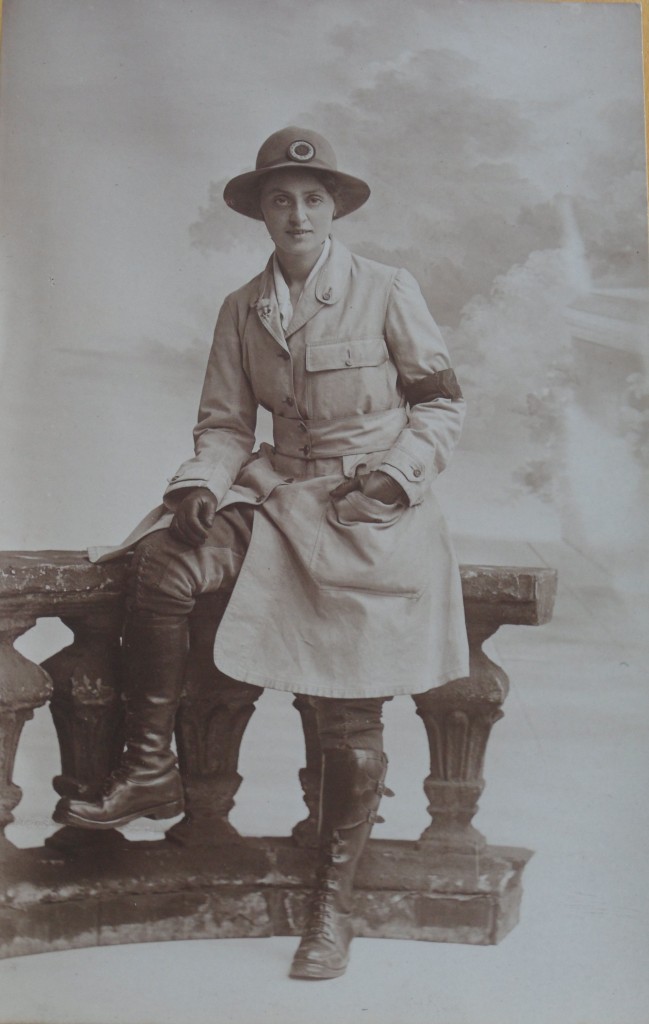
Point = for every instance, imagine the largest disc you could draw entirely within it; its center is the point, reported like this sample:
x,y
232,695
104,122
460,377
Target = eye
x,y
314,200
280,201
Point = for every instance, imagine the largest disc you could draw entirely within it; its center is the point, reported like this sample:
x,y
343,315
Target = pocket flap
x,y
343,354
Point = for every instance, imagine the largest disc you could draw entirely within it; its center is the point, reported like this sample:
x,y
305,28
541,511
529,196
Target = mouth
x,y
300,233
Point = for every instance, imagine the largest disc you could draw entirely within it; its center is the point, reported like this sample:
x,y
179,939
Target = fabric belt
x,y
351,435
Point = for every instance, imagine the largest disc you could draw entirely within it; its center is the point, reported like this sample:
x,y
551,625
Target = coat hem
x,y
235,671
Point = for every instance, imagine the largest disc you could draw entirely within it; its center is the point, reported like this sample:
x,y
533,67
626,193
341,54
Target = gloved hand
x,y
377,484
194,516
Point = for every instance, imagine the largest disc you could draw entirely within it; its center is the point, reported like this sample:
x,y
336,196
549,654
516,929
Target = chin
x,y
302,245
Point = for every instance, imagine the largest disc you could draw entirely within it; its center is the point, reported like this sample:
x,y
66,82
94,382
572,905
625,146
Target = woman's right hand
x,y
194,516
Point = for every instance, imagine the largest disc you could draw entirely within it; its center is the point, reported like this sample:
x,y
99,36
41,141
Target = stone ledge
x,y
64,582
141,892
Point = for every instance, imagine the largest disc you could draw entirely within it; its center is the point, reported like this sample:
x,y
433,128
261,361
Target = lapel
x,y
329,287
265,302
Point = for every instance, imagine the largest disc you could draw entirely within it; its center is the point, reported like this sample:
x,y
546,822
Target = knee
x,y
152,555
159,578
349,723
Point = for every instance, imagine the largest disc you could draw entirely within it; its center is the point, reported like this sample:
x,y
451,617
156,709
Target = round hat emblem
x,y
301,151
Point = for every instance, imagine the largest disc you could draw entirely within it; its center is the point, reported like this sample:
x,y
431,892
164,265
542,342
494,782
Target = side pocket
x,y
356,507
367,546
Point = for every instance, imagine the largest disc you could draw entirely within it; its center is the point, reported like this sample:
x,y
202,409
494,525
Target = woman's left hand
x,y
377,485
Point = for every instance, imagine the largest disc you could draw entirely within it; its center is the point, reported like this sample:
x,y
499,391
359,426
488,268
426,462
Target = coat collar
x,y
330,286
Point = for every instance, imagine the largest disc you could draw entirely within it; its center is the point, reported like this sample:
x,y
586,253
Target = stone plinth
x,y
152,892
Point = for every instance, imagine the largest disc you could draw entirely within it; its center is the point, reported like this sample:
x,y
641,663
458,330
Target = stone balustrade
x,y
204,880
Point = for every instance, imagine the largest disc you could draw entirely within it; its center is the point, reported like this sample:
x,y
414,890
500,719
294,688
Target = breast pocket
x,y
349,377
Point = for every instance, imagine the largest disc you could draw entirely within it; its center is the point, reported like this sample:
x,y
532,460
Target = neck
x,y
297,267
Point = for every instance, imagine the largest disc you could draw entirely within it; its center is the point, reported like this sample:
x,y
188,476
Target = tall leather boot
x,y
147,782
352,786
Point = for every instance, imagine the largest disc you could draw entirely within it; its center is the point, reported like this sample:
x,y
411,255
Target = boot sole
x,y
315,972
170,810
167,810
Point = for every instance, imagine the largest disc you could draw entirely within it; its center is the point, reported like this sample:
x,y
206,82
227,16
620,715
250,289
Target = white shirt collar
x,y
281,288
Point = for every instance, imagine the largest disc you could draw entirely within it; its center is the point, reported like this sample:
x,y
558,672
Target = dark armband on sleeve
x,y
442,384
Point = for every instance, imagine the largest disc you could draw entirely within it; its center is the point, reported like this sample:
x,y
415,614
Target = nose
x,y
298,212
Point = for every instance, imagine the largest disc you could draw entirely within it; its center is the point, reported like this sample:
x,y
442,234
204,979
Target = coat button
x,y
283,355
416,472
288,400
306,449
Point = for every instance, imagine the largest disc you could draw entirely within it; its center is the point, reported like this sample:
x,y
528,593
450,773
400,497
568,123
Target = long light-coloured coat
x,y
342,597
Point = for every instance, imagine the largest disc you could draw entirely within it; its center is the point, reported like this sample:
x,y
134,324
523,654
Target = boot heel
x,y
167,810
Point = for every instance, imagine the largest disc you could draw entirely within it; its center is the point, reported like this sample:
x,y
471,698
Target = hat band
x,y
284,161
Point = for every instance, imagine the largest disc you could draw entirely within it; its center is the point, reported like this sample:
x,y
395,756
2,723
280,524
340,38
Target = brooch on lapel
x,y
263,307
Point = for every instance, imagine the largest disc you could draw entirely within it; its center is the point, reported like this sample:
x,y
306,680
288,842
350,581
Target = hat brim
x,y
241,193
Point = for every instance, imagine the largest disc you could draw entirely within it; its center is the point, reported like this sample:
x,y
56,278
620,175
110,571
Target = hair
x,y
330,182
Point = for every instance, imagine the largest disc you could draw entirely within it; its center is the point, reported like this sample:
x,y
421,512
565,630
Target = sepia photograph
x,y
324,557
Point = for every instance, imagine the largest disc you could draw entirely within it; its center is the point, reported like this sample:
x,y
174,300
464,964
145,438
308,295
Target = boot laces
x,y
321,917
331,854
322,911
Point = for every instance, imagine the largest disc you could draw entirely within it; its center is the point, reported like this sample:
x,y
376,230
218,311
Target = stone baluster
x,y
87,711
449,885
23,687
212,719
305,833
458,718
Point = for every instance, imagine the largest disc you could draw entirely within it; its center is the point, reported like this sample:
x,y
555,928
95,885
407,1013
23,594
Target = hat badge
x,y
301,151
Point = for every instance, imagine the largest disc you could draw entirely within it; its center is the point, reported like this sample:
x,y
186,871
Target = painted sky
x,y
119,122
116,117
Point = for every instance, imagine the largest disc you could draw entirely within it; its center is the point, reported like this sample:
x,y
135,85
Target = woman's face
x,y
298,211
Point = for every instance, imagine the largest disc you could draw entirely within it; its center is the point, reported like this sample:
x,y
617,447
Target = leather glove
x,y
194,516
377,484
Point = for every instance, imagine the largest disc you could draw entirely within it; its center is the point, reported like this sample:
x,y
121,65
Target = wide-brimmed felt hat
x,y
295,148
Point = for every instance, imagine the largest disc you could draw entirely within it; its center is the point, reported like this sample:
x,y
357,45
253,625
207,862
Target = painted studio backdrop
x,y
504,145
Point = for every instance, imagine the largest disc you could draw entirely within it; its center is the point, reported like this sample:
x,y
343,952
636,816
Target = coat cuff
x,y
408,471
189,476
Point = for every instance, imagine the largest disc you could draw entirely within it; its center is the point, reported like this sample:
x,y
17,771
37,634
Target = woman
x,y
343,582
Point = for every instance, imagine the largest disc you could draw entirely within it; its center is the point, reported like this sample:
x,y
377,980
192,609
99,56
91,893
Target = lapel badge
x,y
263,308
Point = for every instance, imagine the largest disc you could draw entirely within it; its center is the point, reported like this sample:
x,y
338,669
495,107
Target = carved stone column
x,y
23,687
212,719
447,887
88,715
305,833
458,718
